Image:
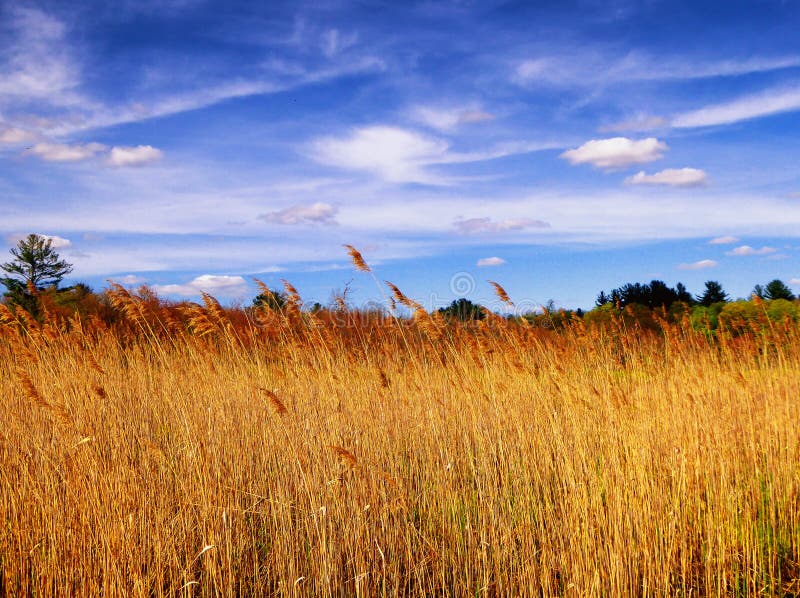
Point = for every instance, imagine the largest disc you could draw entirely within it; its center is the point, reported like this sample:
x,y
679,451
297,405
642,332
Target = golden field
x,y
353,454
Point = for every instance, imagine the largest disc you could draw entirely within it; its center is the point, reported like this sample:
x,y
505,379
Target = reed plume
x,y
501,293
345,456
277,404
358,259
401,298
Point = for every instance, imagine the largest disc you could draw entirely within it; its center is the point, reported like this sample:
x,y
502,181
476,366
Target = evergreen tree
x,y
713,293
274,300
35,267
602,299
684,295
777,289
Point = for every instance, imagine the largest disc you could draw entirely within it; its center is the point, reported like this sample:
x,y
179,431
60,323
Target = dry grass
x,y
394,458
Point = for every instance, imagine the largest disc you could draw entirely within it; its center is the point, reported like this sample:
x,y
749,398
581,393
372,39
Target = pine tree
x,y
35,267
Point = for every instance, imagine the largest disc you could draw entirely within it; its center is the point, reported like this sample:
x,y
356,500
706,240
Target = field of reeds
x,y
283,453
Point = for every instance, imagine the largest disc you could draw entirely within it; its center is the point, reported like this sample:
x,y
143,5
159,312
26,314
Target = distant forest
x,y
35,272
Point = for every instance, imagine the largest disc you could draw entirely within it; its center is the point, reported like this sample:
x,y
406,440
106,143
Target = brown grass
x,y
414,459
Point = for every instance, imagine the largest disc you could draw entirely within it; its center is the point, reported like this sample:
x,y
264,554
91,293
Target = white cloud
x,y
58,152
134,156
473,226
402,156
448,119
130,279
268,269
224,285
334,42
394,154
701,265
726,240
15,136
747,250
673,177
794,281
317,213
773,101
592,68
300,186
617,152
490,261
475,116
56,242
640,122
96,116
38,63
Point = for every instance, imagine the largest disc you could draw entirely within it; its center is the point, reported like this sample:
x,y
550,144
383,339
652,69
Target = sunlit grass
x,y
361,455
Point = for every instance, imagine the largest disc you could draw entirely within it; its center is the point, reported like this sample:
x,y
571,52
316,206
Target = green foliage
x,y
36,263
601,315
273,300
738,313
713,293
462,309
76,297
774,289
780,309
653,295
555,318
706,317
35,267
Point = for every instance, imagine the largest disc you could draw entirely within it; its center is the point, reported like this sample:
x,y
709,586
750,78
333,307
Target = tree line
x,y
36,269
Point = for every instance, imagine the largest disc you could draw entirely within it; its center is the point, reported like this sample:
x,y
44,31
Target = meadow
x,y
210,451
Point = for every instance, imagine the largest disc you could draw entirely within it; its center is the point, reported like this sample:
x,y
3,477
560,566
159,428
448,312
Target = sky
x,y
560,148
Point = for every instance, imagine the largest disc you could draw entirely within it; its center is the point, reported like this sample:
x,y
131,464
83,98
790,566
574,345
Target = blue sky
x,y
559,148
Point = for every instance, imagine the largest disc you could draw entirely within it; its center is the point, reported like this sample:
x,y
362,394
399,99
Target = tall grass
x,y
359,455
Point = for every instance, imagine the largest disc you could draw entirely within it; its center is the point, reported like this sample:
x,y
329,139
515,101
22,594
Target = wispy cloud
x,y
490,261
726,240
592,67
640,122
134,156
222,285
38,64
448,119
55,241
334,42
473,226
395,155
130,279
16,136
672,177
772,101
701,265
42,68
745,250
316,213
617,152
398,155
61,152
118,156
794,281
205,95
